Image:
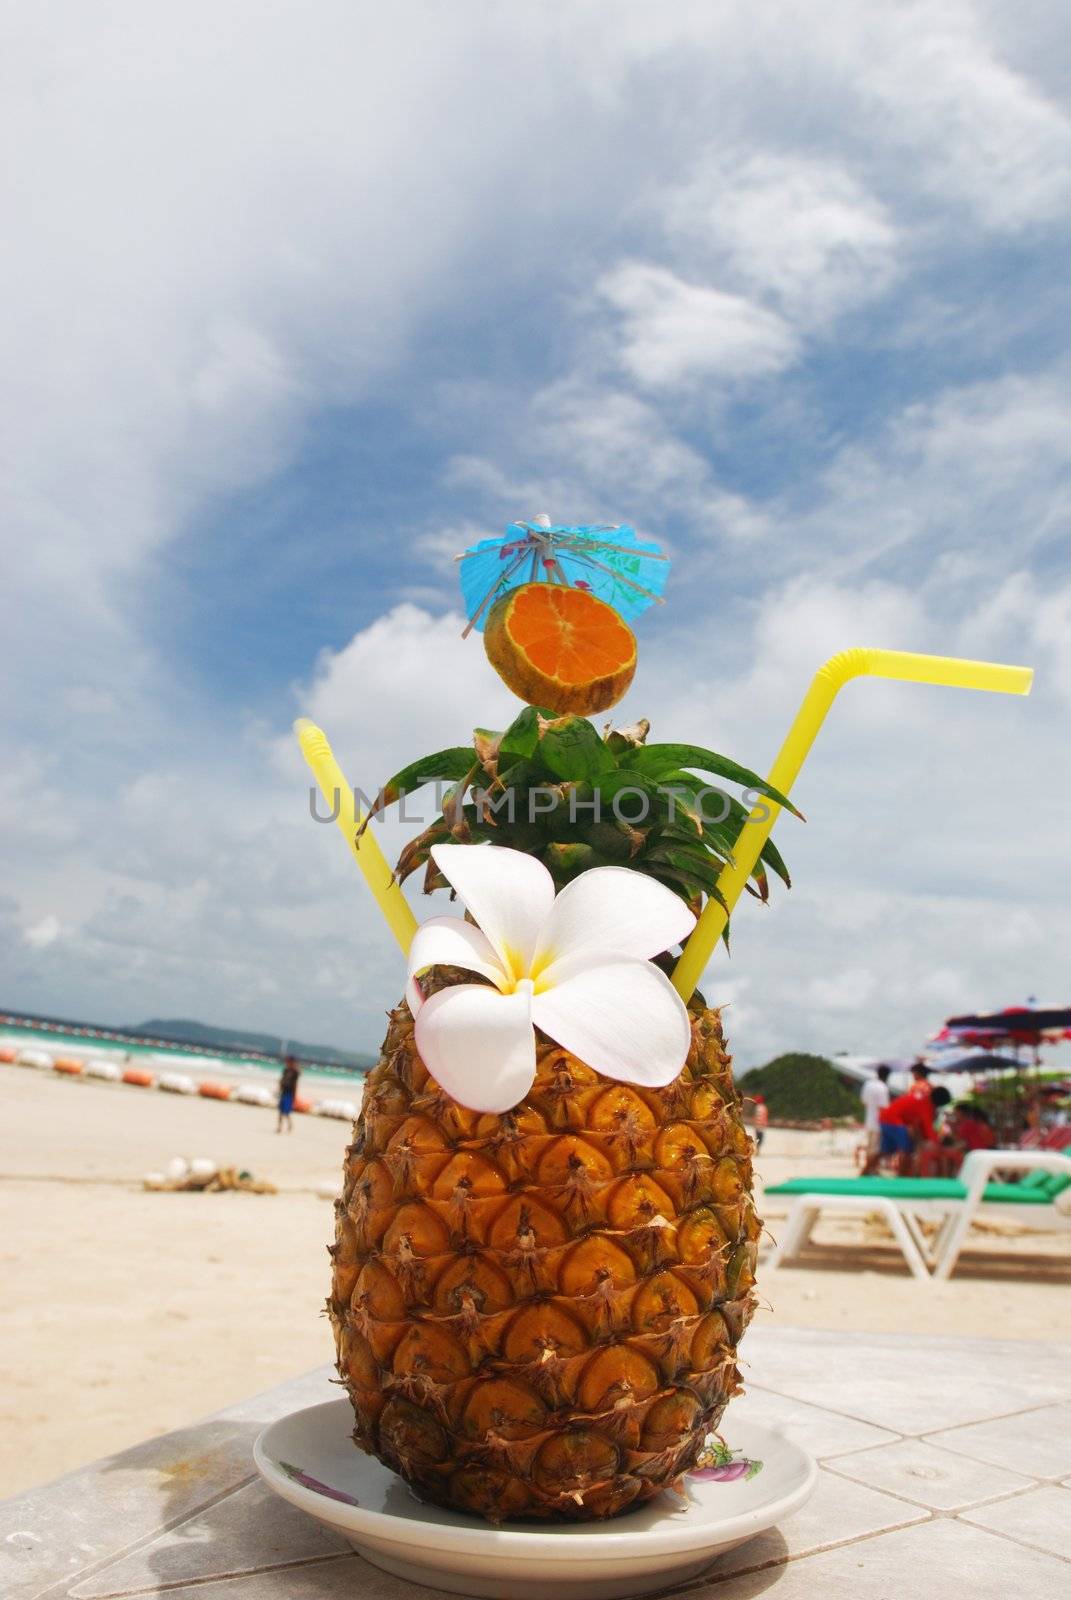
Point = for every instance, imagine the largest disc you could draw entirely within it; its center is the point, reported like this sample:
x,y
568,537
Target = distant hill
x,y
183,1031
801,1088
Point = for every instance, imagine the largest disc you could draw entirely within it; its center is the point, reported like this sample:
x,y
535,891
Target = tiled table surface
x,y
946,1472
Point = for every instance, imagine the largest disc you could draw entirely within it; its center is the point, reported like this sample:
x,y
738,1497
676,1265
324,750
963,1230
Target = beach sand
x,y
128,1313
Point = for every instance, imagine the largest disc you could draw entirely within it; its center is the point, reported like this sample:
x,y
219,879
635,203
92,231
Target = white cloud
x,y
187,297
923,93
980,472
797,229
849,989
86,700
43,933
977,130
216,225
443,545
674,331
585,445
1025,607
404,686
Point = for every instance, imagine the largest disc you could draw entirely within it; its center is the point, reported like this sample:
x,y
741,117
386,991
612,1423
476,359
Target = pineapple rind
x,y
536,1315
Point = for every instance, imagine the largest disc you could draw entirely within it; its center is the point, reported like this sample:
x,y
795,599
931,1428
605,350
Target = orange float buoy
x,y
7,1053
137,1075
215,1091
68,1065
301,1104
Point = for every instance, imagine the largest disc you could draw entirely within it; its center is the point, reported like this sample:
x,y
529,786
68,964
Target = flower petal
x,y
613,909
479,1044
509,894
620,1016
449,942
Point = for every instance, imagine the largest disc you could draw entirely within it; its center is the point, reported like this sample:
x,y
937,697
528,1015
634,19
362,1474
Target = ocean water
x,y
176,1058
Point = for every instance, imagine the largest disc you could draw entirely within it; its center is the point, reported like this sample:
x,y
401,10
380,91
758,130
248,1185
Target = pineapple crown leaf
x,y
659,760
453,764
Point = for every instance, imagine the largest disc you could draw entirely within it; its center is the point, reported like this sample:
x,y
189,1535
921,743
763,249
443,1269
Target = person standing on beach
x,y
762,1119
875,1097
288,1083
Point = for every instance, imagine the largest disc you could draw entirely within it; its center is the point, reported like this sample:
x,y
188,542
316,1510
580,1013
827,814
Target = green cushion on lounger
x,y
884,1188
1049,1184
1017,1194
910,1189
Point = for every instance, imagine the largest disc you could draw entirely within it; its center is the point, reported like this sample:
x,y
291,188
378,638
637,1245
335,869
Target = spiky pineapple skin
x,y
536,1315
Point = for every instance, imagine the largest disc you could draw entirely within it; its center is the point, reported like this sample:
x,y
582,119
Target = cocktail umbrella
x,y
612,563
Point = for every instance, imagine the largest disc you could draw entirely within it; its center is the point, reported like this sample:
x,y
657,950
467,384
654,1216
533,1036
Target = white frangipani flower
x,y
576,966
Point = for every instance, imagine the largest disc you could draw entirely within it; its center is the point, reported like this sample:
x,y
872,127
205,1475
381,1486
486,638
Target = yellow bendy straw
x,y
827,681
366,852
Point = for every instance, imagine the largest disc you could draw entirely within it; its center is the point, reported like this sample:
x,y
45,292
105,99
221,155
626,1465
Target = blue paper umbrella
x,y
612,563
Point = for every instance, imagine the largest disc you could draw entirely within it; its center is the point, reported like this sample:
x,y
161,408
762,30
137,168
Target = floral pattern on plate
x,y
718,1464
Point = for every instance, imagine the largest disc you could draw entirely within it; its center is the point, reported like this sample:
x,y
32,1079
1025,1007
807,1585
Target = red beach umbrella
x,y
1014,1025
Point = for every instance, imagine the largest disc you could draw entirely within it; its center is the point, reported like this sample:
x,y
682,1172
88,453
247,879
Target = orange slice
x,y
560,648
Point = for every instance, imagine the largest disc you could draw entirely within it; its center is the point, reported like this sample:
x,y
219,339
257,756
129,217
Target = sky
x,y
299,299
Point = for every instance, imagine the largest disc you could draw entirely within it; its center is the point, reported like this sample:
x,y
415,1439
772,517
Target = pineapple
x,y
536,1314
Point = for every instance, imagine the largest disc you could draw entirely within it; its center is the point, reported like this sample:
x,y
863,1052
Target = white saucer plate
x,y
309,1459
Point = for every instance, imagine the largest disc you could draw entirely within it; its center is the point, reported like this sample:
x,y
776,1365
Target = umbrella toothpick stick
x,y
827,682
366,852
502,579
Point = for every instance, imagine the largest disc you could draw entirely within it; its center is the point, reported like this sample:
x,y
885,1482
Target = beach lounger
x,y
905,1203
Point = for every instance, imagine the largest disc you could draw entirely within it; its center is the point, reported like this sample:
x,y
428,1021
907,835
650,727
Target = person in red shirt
x,y
907,1122
972,1128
